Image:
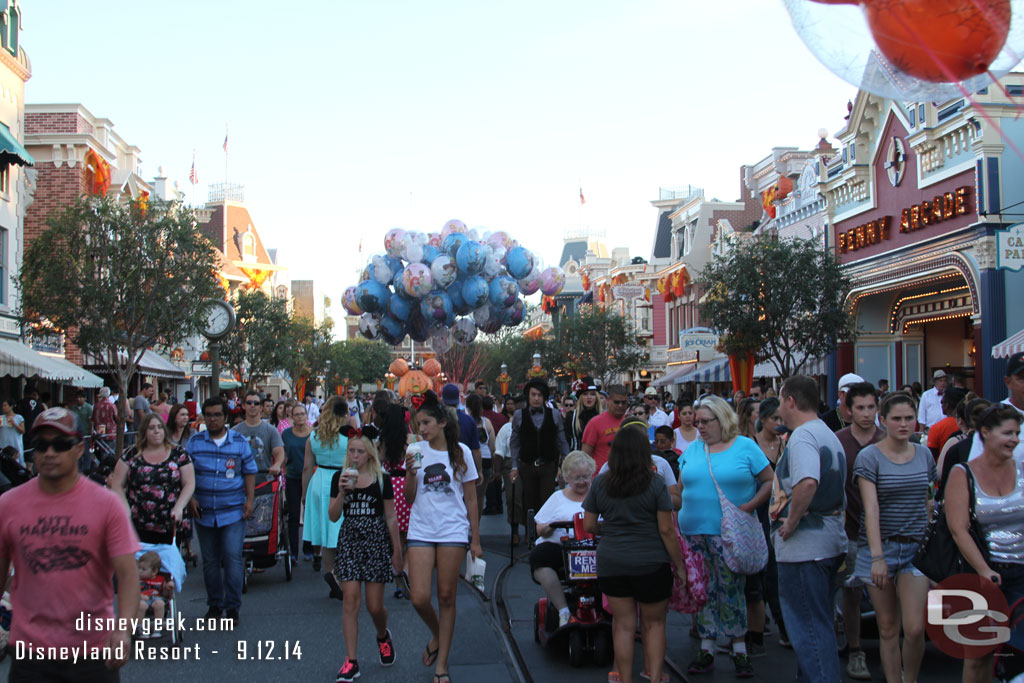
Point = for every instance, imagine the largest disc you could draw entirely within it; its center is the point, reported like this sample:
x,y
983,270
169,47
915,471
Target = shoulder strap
x,y
707,456
970,488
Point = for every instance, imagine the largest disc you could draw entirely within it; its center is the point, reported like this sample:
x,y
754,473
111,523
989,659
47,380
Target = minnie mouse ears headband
x,y
350,432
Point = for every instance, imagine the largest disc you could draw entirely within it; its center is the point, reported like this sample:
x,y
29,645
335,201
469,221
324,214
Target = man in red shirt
x,y
940,432
66,537
600,431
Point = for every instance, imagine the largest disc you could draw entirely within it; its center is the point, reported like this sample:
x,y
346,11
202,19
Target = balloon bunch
x,y
447,286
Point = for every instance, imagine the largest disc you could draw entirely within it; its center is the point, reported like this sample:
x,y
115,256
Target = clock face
x,y
218,320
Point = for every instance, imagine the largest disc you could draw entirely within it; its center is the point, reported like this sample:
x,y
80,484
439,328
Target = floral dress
x,y
152,491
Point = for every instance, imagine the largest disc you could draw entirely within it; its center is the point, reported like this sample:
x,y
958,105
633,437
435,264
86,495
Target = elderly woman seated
x,y
546,557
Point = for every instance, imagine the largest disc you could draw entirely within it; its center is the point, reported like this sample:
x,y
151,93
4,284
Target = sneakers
x,y
784,639
702,663
385,650
214,613
857,667
756,649
563,618
348,672
317,563
744,669
232,614
332,582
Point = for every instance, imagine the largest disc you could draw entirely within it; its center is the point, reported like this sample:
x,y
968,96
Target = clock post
x,y
220,319
214,348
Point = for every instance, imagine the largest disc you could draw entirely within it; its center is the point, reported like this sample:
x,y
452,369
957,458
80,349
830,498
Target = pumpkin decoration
x,y
432,368
398,367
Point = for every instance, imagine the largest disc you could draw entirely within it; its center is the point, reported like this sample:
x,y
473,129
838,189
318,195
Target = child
x,y
153,586
369,549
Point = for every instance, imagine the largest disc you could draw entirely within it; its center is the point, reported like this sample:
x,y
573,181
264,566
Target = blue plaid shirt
x,y
220,497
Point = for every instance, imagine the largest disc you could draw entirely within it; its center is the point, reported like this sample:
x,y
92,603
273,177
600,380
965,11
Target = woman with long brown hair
x,y
325,454
440,485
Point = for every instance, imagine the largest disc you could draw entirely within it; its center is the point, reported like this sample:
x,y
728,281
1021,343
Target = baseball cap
x,y
450,395
651,391
1015,365
849,379
61,419
938,374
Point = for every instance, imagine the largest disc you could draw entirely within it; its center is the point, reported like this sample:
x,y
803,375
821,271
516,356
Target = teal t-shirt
x,y
295,453
736,470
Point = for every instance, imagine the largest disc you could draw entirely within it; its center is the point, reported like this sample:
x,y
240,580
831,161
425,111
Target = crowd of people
x,y
392,490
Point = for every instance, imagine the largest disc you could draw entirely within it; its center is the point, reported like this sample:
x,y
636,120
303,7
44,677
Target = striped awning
x,y
152,364
1008,347
672,374
19,360
813,367
715,371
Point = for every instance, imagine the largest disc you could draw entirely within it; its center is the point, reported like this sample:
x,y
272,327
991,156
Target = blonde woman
x,y
365,543
325,454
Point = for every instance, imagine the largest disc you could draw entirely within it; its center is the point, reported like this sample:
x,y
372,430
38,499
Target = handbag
x,y
744,546
689,598
939,556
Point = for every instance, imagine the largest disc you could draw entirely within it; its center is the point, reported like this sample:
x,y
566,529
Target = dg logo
x,y
967,616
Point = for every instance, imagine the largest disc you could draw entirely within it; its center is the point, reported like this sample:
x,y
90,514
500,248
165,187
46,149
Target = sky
x,y
346,119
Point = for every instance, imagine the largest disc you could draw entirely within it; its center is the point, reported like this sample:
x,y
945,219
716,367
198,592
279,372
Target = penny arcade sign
x,y
947,206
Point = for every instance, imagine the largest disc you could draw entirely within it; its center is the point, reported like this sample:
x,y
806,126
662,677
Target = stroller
x,y
173,571
590,628
266,533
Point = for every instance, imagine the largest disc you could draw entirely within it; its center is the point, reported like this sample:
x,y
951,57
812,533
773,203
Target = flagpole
x,y
225,212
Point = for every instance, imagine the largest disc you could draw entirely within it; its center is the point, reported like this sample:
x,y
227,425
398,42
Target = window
x,y
5,182
913,117
920,114
1015,90
248,247
12,28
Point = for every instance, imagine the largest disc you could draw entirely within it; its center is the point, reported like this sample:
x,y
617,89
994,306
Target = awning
x,y
715,371
673,372
1008,347
18,360
12,151
813,367
151,364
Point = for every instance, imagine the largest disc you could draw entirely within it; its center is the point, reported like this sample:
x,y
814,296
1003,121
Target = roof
x,y
574,250
663,237
239,223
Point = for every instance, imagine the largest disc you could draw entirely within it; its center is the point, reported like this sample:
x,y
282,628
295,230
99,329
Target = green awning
x,y
12,151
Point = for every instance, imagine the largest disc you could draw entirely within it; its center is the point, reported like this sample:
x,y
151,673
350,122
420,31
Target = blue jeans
x,y
806,590
222,551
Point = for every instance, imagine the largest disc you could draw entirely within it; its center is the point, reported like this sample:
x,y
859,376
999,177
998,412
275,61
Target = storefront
x,y
914,200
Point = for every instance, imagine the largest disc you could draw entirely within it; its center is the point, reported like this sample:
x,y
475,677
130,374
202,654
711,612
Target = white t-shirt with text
x,y
438,515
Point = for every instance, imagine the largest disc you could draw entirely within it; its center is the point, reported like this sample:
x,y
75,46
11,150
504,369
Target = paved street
x,y
300,614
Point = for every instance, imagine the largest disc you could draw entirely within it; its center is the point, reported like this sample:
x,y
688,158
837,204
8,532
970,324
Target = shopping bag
x,y
475,571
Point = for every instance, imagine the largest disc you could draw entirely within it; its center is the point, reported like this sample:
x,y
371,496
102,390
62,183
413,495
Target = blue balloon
x,y
474,292
430,252
394,264
452,243
470,257
454,291
417,327
450,320
515,313
400,306
436,307
396,281
392,330
519,262
372,296
502,291
495,319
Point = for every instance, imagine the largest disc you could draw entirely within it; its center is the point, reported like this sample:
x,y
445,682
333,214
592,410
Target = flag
x,y
582,200
192,176
225,140
360,245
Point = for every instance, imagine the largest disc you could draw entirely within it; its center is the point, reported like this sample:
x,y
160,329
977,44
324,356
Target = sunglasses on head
x,y
59,444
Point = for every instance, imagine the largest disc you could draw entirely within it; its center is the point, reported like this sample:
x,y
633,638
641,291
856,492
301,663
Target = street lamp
x,y
504,380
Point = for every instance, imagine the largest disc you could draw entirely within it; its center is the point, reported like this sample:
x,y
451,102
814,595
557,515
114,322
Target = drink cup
x,y
352,474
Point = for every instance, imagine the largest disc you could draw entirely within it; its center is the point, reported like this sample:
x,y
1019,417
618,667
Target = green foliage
x,y
594,342
310,348
117,279
779,299
357,360
260,343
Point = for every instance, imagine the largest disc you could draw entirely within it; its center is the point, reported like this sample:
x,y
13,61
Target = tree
x,y
781,300
310,350
594,342
117,278
261,341
357,360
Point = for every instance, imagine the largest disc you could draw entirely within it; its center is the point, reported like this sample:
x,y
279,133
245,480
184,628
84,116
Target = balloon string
x,y
959,86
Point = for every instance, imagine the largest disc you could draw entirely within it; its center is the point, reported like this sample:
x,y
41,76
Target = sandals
x,y
430,656
442,678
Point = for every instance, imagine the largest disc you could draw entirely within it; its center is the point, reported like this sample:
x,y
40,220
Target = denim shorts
x,y
431,544
898,558
847,577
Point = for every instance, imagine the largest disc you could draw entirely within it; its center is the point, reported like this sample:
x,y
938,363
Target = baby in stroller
x,y
156,589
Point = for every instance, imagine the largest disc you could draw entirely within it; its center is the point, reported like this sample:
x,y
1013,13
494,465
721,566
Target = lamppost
x,y
504,380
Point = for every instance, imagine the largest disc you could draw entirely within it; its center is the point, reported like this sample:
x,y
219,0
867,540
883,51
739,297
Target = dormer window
x,y
248,248
10,31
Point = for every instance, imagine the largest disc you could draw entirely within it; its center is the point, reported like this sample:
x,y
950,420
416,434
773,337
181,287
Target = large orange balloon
x,y
432,368
398,367
937,40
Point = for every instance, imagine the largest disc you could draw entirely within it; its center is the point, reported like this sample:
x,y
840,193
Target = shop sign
x,y
10,327
700,339
46,342
629,291
679,356
949,205
1010,247
202,368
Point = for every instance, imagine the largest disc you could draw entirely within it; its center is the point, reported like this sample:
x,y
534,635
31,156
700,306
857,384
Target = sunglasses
x,y
254,403
59,444
568,405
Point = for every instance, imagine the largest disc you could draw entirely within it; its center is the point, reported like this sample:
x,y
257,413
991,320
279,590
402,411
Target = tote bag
x,y
743,542
939,557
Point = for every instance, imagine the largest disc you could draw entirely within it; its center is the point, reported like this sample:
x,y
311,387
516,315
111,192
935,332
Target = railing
x,y
681,192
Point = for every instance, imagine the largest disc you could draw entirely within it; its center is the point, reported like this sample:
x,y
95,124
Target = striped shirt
x,y
220,484
903,491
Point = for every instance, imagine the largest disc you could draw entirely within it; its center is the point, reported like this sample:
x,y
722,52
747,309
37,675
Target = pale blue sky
x,y
347,119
